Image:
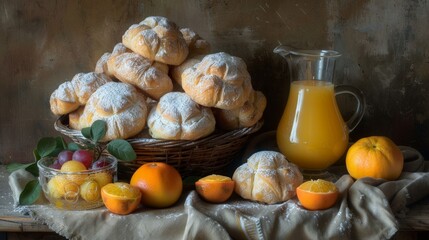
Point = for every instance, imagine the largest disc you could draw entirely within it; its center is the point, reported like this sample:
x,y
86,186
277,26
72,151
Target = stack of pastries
x,y
166,79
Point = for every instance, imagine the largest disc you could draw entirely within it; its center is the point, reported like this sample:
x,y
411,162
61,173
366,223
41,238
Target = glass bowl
x,y
75,190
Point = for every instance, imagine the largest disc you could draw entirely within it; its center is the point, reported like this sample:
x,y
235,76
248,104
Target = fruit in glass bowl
x,y
73,186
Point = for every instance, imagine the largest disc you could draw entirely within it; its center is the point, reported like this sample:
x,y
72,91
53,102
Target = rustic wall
x,y
384,44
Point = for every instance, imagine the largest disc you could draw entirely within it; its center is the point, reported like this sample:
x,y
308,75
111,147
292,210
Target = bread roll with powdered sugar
x,y
121,106
178,117
267,177
101,65
158,39
149,76
247,115
218,80
177,71
196,44
72,94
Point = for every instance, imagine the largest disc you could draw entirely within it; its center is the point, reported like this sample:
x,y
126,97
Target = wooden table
x,y
15,225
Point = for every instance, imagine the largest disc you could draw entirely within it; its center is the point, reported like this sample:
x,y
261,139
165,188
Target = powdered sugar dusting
x,y
119,48
141,72
157,39
196,44
219,80
101,65
85,84
247,115
80,88
177,71
177,116
171,216
122,107
267,177
65,92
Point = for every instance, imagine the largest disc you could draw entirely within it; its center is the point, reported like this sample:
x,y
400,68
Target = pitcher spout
x,y
286,51
283,51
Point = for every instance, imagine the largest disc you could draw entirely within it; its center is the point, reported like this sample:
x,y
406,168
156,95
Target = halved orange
x,y
215,188
120,197
317,194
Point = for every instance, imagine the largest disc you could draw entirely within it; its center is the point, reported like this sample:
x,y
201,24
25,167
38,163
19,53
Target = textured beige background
x,y
384,44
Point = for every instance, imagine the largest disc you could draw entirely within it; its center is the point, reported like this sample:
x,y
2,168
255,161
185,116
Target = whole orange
x,y
160,184
215,188
376,157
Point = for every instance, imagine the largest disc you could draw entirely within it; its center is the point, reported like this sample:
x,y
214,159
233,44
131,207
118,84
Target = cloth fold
x,y
367,209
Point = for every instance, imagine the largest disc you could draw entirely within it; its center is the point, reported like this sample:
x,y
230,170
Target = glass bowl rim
x,y
43,167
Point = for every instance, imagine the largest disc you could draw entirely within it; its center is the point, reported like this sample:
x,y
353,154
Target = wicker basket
x,y
191,158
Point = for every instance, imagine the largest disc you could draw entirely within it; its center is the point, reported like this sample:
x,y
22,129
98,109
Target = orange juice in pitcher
x,y
312,133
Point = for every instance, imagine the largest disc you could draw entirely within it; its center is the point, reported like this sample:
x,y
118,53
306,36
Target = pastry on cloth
x,y
178,117
72,94
149,76
101,65
267,177
158,39
121,106
196,44
218,80
247,115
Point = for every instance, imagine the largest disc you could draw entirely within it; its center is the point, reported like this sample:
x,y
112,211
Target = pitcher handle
x,y
360,106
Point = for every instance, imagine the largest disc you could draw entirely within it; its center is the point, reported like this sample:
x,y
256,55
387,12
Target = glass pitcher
x,y
312,133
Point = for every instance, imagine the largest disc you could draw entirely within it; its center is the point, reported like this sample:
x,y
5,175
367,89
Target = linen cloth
x,y
366,209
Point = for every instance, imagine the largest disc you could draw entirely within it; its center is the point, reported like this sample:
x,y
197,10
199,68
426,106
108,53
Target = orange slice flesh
x,y
317,194
121,198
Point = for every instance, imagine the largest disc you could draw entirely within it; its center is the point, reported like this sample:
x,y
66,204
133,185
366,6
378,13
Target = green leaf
x,y
16,166
36,154
55,152
30,193
98,130
46,146
33,169
121,149
73,146
86,132
89,146
61,143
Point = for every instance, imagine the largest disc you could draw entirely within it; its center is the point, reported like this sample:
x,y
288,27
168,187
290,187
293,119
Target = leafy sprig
x,y
52,146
